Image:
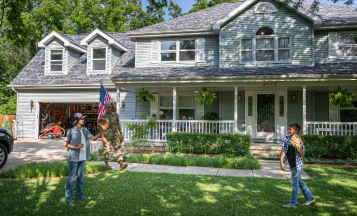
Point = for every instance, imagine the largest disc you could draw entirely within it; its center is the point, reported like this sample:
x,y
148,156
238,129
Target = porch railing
x,y
332,128
188,126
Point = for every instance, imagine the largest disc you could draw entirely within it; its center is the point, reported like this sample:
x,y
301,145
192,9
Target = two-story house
x,y
267,67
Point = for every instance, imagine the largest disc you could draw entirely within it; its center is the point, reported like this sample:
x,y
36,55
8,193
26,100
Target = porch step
x,y
266,150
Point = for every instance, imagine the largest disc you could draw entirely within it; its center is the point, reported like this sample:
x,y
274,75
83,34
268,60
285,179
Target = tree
x,y
198,5
175,10
152,16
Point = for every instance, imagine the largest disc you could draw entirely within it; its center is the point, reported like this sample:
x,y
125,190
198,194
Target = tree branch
x,y
2,13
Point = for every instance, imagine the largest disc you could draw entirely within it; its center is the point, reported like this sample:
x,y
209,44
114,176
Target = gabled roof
x,y
204,20
33,72
67,42
301,11
111,41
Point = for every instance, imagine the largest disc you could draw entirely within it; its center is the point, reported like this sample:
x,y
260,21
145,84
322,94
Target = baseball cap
x,y
106,105
78,116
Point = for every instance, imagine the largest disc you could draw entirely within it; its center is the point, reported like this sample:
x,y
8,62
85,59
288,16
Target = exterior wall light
x,y
239,98
31,105
122,104
293,98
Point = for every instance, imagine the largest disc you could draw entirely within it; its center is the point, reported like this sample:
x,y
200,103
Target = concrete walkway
x,y
269,169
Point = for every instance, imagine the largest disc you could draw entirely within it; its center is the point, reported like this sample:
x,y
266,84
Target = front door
x,y
266,115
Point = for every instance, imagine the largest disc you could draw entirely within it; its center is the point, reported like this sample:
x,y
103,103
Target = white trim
x,y
256,7
95,33
304,128
177,51
301,11
50,72
105,71
52,35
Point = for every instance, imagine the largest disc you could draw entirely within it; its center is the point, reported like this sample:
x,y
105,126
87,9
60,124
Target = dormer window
x,y
265,7
56,60
99,59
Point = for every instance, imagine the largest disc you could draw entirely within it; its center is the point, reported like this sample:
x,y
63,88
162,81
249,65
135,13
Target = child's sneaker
x,y
290,205
309,201
70,202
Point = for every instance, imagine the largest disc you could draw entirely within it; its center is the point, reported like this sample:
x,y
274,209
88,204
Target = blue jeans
x,y
297,182
75,168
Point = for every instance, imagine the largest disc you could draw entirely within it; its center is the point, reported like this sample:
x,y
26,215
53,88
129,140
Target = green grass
x,y
180,159
47,169
133,193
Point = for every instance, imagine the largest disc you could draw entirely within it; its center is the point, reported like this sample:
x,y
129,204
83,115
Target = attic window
x,y
265,7
56,60
265,31
99,59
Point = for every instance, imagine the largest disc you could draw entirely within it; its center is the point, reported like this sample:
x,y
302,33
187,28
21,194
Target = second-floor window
x,y
348,45
181,50
99,59
56,60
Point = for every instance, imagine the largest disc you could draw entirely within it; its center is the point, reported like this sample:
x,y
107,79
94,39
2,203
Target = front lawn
x,y
133,193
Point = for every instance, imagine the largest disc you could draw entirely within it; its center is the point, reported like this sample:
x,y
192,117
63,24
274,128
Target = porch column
x,y
174,109
118,101
235,109
304,109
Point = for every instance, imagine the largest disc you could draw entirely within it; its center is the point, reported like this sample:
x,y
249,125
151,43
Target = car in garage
x,y
6,145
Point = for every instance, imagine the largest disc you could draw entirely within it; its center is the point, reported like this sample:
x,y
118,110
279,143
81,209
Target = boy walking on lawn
x,y
293,150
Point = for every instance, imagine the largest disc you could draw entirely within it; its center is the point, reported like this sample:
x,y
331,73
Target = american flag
x,y
103,98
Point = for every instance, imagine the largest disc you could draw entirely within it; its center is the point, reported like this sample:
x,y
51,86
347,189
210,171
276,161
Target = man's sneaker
x,y
70,202
309,201
83,197
290,205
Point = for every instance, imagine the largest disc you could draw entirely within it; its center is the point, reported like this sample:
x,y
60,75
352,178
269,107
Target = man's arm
x,y
66,144
94,138
119,128
282,156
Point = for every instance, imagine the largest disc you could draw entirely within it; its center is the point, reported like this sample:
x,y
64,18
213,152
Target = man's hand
x,y
282,166
121,136
104,139
80,146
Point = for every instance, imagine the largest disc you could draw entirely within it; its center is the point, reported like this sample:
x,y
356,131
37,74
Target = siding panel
x,y
295,109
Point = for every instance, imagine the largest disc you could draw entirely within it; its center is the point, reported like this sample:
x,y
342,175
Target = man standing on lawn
x,y
111,137
294,154
77,142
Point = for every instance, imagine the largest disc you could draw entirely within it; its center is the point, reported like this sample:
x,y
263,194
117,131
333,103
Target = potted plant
x,y
342,98
205,97
145,96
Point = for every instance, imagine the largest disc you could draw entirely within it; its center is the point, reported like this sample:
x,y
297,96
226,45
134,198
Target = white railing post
x,y
304,109
235,109
174,110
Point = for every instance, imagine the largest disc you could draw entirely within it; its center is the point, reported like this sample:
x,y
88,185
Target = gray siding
x,y
247,23
142,108
143,53
321,106
26,118
321,49
227,108
115,57
295,109
214,106
73,56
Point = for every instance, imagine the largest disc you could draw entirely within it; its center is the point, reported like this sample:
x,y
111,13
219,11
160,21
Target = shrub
x,y
233,145
330,146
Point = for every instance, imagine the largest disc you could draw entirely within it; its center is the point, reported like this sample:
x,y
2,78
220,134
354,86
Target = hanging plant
x,y
144,96
205,97
342,98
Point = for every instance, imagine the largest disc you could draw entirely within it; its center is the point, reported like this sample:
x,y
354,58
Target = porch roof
x,y
164,73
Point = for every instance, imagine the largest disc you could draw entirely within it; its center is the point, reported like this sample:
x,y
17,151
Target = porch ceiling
x,y
243,88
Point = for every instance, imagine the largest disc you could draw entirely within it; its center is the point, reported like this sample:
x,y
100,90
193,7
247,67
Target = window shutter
x,y
47,60
333,113
332,45
200,111
155,51
200,50
154,106
89,60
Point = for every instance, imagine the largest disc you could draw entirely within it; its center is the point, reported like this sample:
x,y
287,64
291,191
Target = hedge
x,y
340,147
233,145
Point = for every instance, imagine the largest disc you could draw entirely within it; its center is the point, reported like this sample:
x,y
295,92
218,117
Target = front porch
x,y
262,110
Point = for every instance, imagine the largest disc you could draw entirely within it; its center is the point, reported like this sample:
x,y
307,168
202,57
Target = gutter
x,y
63,86
193,32
14,90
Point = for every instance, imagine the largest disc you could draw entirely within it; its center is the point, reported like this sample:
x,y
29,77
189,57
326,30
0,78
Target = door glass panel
x,y
281,106
266,113
250,106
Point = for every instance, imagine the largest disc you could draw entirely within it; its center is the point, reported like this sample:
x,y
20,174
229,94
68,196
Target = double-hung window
x,y
273,49
348,45
178,50
99,59
56,60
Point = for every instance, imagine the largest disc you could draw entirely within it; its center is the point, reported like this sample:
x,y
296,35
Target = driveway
x,y
30,150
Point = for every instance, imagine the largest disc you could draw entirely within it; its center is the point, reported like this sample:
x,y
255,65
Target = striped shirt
x,y
285,145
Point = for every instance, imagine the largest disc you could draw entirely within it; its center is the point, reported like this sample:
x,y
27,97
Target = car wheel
x,y
3,155
51,135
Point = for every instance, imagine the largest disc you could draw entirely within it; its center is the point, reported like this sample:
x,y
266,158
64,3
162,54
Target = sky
x,y
186,5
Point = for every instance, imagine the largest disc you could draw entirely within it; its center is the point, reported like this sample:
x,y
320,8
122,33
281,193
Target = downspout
x,y
17,102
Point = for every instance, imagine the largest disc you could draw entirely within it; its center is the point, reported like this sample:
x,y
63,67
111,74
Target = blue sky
x,y
186,5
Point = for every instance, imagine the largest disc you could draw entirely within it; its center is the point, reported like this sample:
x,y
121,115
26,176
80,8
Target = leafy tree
x,y
175,10
198,5
152,16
